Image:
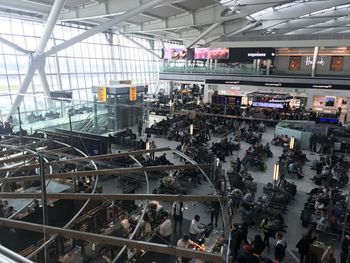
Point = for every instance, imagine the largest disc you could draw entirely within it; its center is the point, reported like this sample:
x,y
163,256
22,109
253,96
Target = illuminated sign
x,y
320,61
257,54
101,94
133,95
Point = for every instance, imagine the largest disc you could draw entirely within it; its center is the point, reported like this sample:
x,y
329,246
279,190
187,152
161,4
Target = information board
x,y
101,94
133,95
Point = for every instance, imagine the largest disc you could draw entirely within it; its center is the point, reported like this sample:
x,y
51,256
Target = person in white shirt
x,y
184,242
196,228
166,228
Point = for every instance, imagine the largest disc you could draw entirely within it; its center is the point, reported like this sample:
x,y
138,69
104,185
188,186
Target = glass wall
x,y
95,61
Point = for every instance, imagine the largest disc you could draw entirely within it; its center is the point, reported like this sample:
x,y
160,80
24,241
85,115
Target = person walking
x,y
280,248
303,246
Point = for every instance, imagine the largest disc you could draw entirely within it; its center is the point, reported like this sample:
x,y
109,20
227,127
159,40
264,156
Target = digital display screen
x,y
211,53
235,101
268,105
328,120
330,101
221,100
175,53
249,54
227,100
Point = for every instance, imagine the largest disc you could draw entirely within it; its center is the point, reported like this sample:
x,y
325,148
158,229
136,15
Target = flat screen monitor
x,y
328,120
211,53
268,105
330,101
175,53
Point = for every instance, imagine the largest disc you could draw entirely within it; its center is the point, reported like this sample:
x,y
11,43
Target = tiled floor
x,y
292,216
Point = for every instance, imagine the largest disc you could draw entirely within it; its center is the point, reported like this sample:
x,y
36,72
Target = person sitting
x,y
184,242
322,222
196,228
294,168
261,127
299,155
248,200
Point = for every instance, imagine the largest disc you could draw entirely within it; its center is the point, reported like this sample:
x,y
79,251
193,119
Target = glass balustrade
x,y
89,117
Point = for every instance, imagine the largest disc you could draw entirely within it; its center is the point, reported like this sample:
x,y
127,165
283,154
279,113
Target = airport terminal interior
x,y
174,131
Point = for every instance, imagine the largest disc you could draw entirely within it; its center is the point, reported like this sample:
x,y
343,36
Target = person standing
x,y
238,165
235,241
280,248
214,212
207,133
178,209
303,245
140,126
152,147
266,227
196,228
166,228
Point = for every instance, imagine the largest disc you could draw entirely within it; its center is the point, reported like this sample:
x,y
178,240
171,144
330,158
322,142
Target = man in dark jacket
x,y
304,246
235,241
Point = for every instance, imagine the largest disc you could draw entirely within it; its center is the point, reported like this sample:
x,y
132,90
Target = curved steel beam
x,y
142,215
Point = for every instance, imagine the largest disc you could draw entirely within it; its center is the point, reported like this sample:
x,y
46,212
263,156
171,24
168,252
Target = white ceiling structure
x,y
202,21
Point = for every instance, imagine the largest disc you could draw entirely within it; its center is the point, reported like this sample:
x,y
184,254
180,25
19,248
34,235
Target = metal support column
x,y
203,34
14,46
43,199
314,62
255,64
141,46
46,88
104,26
110,40
258,66
94,107
268,66
19,120
206,93
38,59
43,190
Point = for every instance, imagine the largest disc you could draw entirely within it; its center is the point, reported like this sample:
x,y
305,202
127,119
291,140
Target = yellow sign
x,y
133,95
101,94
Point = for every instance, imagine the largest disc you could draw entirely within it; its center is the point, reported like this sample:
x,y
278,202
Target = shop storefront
x,y
307,95
331,107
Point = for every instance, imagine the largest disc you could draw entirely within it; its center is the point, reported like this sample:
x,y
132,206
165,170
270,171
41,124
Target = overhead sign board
x,y
61,95
101,94
133,94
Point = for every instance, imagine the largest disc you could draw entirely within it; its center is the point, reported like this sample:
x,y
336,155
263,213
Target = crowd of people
x,y
267,211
